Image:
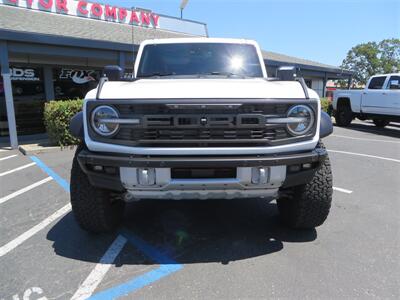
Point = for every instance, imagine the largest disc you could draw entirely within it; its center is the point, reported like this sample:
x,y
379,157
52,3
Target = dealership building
x,y
56,49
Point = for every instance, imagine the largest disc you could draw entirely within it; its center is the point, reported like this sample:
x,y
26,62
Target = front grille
x,y
169,125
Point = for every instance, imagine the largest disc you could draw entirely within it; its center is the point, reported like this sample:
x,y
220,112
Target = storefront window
x,y
29,98
70,83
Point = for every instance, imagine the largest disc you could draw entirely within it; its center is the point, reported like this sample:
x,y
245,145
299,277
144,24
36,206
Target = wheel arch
x,y
343,101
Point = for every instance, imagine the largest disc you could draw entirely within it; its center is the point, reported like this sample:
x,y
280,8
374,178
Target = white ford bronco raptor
x,y
200,119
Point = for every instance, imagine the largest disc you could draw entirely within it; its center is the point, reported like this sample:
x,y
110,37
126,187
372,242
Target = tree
x,y
373,58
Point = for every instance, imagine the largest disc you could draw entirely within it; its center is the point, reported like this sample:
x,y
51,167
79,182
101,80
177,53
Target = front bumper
x,y
110,178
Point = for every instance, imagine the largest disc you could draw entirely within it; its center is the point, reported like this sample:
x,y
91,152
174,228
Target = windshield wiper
x,y
156,74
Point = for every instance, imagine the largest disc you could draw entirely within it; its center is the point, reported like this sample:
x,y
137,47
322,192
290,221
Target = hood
x,y
201,89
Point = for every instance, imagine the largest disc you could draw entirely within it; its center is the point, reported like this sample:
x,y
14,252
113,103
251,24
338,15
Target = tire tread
x,y
91,206
308,205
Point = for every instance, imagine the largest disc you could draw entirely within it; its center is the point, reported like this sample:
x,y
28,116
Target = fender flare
x,y
76,126
326,126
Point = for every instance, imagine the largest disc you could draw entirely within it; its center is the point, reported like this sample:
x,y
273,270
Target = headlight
x,y
102,120
303,119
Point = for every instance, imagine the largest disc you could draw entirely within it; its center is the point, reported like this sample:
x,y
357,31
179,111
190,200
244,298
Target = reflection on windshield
x,y
236,63
212,59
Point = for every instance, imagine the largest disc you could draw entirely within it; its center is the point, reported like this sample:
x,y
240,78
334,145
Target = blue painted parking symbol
x,y
167,267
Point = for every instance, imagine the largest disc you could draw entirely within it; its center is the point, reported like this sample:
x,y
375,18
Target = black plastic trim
x,y
91,158
299,178
76,126
112,182
326,126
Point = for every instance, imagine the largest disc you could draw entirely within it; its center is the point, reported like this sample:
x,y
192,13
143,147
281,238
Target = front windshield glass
x,y
208,59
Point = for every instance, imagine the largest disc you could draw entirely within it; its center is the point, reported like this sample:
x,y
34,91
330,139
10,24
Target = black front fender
x,y
76,126
326,126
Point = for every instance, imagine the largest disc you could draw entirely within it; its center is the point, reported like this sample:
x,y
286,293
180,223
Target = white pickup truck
x,y
379,101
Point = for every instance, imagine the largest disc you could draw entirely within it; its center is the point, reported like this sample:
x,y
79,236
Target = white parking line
x,y
25,189
365,155
27,234
342,190
17,169
87,288
7,157
364,139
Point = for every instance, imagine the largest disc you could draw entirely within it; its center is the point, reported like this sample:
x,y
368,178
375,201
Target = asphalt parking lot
x,y
206,249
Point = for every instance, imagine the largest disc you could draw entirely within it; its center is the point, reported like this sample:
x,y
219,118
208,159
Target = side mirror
x,y
286,73
113,72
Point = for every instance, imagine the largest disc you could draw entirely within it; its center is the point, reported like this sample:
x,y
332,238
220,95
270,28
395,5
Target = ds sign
x,y
23,74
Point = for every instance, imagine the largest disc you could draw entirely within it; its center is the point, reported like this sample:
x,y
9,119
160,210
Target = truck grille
x,y
190,125
193,136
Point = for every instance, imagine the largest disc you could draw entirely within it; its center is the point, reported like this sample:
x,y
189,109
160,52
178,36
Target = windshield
x,y
208,59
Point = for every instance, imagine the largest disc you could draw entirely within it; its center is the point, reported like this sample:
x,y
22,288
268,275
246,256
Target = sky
x,y
319,30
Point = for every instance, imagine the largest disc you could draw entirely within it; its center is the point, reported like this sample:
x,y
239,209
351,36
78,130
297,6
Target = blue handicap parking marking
x,y
167,267
61,181
137,282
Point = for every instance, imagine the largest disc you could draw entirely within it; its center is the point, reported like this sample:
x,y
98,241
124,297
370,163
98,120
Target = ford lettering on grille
x,y
199,121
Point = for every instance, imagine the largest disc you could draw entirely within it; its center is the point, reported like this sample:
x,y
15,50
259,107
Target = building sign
x,y
78,76
91,10
71,83
112,13
24,74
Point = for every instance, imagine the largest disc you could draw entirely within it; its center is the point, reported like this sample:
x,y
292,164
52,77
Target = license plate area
x,y
203,173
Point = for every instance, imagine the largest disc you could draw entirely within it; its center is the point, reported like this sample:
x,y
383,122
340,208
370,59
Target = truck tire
x,y
381,123
95,210
307,206
343,115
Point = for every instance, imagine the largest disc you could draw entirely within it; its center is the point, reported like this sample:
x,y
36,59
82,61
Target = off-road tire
x,y
307,206
343,115
381,123
95,210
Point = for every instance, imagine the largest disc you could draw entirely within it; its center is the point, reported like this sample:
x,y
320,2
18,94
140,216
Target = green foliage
x,y
57,115
373,58
325,104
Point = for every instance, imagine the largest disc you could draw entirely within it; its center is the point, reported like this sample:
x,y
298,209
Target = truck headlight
x,y
303,117
101,120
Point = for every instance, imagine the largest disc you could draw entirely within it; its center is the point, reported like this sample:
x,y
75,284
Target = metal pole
x,y
5,72
48,83
181,13
324,81
12,128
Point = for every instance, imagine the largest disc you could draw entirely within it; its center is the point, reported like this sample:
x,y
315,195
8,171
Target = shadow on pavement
x,y
187,231
367,127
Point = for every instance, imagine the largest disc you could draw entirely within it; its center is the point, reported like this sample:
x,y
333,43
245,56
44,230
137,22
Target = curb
x,y
31,149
